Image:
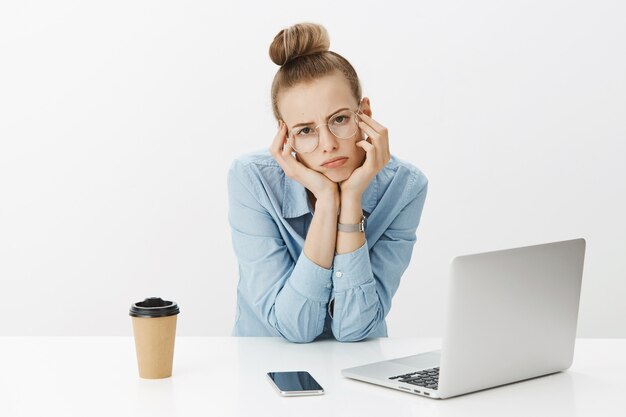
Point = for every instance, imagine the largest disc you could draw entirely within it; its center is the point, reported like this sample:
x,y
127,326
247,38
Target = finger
x,y
287,149
279,139
377,126
292,163
368,147
369,130
370,155
374,158
281,150
370,151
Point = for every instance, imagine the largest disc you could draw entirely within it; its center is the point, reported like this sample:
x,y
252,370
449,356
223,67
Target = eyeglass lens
x,y
343,125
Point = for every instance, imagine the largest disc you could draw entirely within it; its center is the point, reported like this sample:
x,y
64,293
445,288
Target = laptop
x,y
511,316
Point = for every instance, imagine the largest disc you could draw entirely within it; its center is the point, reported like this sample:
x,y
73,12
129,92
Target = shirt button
x,y
338,274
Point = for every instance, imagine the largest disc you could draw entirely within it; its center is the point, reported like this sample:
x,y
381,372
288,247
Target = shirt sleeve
x,y
365,280
289,296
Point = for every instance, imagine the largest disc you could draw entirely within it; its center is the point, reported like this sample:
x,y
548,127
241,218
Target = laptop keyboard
x,y
427,378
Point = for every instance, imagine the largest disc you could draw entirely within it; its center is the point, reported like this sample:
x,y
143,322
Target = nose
x,y
328,141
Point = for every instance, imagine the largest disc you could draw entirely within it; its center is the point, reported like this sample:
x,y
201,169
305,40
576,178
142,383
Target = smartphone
x,y
295,383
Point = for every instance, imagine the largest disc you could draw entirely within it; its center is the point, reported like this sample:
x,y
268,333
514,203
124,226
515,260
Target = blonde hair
x,y
302,51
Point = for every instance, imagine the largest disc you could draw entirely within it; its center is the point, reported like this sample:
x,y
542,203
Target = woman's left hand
x,y
377,155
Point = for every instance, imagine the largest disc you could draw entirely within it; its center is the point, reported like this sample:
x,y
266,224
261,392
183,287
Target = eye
x,y
304,131
340,119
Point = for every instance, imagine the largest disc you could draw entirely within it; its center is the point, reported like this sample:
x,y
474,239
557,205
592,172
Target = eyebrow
x,y
327,117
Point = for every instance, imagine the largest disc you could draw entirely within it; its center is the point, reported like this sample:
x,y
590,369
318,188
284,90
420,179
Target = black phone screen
x,y
294,381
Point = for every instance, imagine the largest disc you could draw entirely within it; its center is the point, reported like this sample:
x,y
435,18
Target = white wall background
x,y
119,119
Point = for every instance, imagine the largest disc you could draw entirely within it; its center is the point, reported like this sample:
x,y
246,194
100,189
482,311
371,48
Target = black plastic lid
x,y
154,307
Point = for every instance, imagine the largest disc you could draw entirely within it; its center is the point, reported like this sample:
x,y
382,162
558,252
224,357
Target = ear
x,y
366,107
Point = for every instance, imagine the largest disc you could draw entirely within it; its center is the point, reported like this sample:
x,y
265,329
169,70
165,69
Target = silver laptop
x,y
511,316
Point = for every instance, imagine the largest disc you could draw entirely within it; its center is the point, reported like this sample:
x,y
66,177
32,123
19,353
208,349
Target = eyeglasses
x,y
343,124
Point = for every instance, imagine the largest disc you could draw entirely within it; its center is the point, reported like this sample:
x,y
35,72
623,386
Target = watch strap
x,y
359,227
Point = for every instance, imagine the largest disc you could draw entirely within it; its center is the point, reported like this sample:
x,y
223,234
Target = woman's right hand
x,y
319,184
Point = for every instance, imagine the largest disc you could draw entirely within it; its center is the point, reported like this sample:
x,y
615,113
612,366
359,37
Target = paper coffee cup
x,y
154,327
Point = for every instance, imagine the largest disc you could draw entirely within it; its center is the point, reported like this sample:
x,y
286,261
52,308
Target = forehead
x,y
315,100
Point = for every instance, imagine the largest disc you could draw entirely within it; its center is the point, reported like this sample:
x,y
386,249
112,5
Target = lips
x,y
335,161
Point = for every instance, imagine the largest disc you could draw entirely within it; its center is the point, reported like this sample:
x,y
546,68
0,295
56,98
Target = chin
x,y
338,176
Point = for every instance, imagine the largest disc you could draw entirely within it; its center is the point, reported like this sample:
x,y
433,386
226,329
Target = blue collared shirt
x,y
281,292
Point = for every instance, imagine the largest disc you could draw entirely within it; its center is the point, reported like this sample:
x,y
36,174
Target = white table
x,y
224,376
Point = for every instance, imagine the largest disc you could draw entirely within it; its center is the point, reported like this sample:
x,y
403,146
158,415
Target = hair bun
x,y
298,40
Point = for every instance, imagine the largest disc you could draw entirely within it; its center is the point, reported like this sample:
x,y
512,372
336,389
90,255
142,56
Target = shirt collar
x,y
296,201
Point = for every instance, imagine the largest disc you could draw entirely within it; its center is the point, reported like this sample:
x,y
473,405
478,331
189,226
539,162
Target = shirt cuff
x,y
311,280
352,269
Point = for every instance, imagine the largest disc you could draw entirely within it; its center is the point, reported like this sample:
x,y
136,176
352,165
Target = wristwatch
x,y
359,227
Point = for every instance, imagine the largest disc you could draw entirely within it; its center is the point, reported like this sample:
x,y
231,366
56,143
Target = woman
x,y
307,268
